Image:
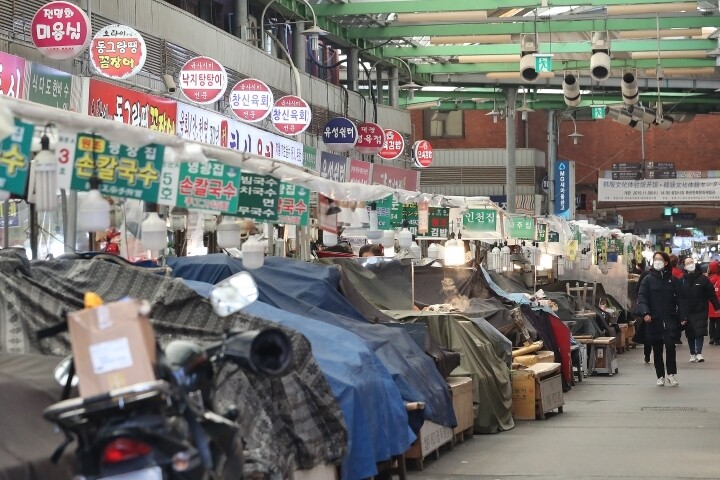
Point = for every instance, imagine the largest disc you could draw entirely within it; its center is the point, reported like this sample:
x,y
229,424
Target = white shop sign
x,y
676,190
201,125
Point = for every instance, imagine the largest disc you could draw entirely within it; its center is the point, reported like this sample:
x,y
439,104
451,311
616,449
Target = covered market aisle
x,y
612,427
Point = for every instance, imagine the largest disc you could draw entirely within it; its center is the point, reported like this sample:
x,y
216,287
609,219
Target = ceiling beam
x,y
561,65
428,6
557,25
544,47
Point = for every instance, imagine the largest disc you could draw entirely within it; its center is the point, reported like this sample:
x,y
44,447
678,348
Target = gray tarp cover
x,y
295,415
492,388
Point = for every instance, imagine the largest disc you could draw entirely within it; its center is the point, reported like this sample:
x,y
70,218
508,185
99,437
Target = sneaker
x,y
693,358
647,359
699,357
660,382
672,381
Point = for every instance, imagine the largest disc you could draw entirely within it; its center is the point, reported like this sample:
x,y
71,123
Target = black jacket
x,y
660,296
697,291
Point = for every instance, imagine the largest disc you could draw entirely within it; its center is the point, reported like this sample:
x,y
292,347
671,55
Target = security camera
x,y
169,83
629,88
571,90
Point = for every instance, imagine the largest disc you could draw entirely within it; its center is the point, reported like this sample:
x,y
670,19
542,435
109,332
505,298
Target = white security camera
x,y
571,90
629,88
169,83
527,68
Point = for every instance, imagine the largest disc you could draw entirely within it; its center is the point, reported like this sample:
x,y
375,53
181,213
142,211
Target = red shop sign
x,y
251,100
60,30
422,153
12,75
394,145
371,138
118,51
291,115
203,80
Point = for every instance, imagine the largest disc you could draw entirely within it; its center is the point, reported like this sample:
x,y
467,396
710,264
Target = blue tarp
x,y
311,290
371,403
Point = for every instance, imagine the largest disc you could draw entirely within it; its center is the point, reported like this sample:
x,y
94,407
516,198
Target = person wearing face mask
x,y
664,311
697,292
714,277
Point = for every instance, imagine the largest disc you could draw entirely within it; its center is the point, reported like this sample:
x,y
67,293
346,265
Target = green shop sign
x,y
522,228
480,220
15,151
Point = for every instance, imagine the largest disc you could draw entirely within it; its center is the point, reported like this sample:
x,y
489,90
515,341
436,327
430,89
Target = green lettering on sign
x,y
542,232
598,112
15,151
50,87
310,158
411,216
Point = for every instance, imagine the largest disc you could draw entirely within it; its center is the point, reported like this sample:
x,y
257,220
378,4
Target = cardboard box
x,y
545,356
536,390
432,437
526,360
461,389
113,346
523,394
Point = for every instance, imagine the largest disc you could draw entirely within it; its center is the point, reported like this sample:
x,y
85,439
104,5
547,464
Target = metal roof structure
x,y
462,51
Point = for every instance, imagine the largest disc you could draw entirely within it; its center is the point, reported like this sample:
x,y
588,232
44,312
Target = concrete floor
x,y
622,426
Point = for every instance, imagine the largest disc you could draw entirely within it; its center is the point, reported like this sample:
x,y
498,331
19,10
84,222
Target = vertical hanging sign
x,y
564,189
15,152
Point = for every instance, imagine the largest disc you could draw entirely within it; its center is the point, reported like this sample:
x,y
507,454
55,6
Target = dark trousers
x,y
715,330
647,350
669,356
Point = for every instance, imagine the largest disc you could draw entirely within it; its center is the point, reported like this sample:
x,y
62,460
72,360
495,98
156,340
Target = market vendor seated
x,y
371,250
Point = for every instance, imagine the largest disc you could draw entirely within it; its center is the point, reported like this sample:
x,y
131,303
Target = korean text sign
x,y
203,80
294,205
480,220
251,100
12,75
521,227
360,172
209,186
15,152
395,177
438,222
258,197
50,87
60,30
333,167
118,51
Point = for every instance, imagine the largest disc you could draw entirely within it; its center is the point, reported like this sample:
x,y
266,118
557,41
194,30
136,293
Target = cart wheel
x,y
616,370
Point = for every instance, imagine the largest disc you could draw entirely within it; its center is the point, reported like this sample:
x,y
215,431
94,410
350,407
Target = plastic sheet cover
x,y
311,290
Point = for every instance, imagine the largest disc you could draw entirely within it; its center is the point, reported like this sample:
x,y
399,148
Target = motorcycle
x,y
168,429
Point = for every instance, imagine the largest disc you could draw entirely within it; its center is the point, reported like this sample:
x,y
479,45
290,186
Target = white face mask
x,y
690,268
658,264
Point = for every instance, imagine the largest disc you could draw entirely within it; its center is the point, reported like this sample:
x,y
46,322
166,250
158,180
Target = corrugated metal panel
x,y
487,157
474,175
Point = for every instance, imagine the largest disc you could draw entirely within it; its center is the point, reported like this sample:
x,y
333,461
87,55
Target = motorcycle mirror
x,y
233,294
62,370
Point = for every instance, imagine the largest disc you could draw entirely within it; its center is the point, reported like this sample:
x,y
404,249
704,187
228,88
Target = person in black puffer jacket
x,y
697,292
663,309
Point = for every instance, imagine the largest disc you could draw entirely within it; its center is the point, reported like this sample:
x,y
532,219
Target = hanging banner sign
x,y
423,218
258,197
333,167
251,100
118,51
564,189
542,232
60,30
293,205
209,187
291,115
203,80
395,177
690,190
124,171
48,86
410,214
384,211
371,138
310,157
131,107
340,135
521,228
12,75
15,152
195,123
360,172
438,222
394,145
396,213
422,153
480,220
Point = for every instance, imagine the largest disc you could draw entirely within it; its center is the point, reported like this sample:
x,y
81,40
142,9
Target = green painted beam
x,y
557,25
426,6
423,96
558,48
562,65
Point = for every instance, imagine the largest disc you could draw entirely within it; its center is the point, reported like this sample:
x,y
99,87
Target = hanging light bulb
x,y
493,258
93,213
154,232
388,243
228,233
585,260
253,254
433,251
45,172
178,219
454,252
209,223
505,262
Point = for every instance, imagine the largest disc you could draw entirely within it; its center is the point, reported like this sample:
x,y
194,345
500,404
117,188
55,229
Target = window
x,y
444,124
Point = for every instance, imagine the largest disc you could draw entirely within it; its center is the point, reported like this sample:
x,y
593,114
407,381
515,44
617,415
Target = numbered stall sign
x,y
394,145
371,138
291,115
203,80
118,51
340,135
60,30
251,100
422,153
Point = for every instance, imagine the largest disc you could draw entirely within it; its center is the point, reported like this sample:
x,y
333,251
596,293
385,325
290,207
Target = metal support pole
x,y
6,224
240,20
70,233
298,51
511,172
393,88
353,69
552,158
380,91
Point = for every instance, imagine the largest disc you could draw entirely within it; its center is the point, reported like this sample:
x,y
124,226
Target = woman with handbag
x,y
697,292
663,309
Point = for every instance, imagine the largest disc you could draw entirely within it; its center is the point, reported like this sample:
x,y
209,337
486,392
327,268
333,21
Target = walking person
x,y
698,293
647,347
713,313
663,309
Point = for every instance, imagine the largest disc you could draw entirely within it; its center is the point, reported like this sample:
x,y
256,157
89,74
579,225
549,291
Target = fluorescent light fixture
x,y
515,75
469,16
674,72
